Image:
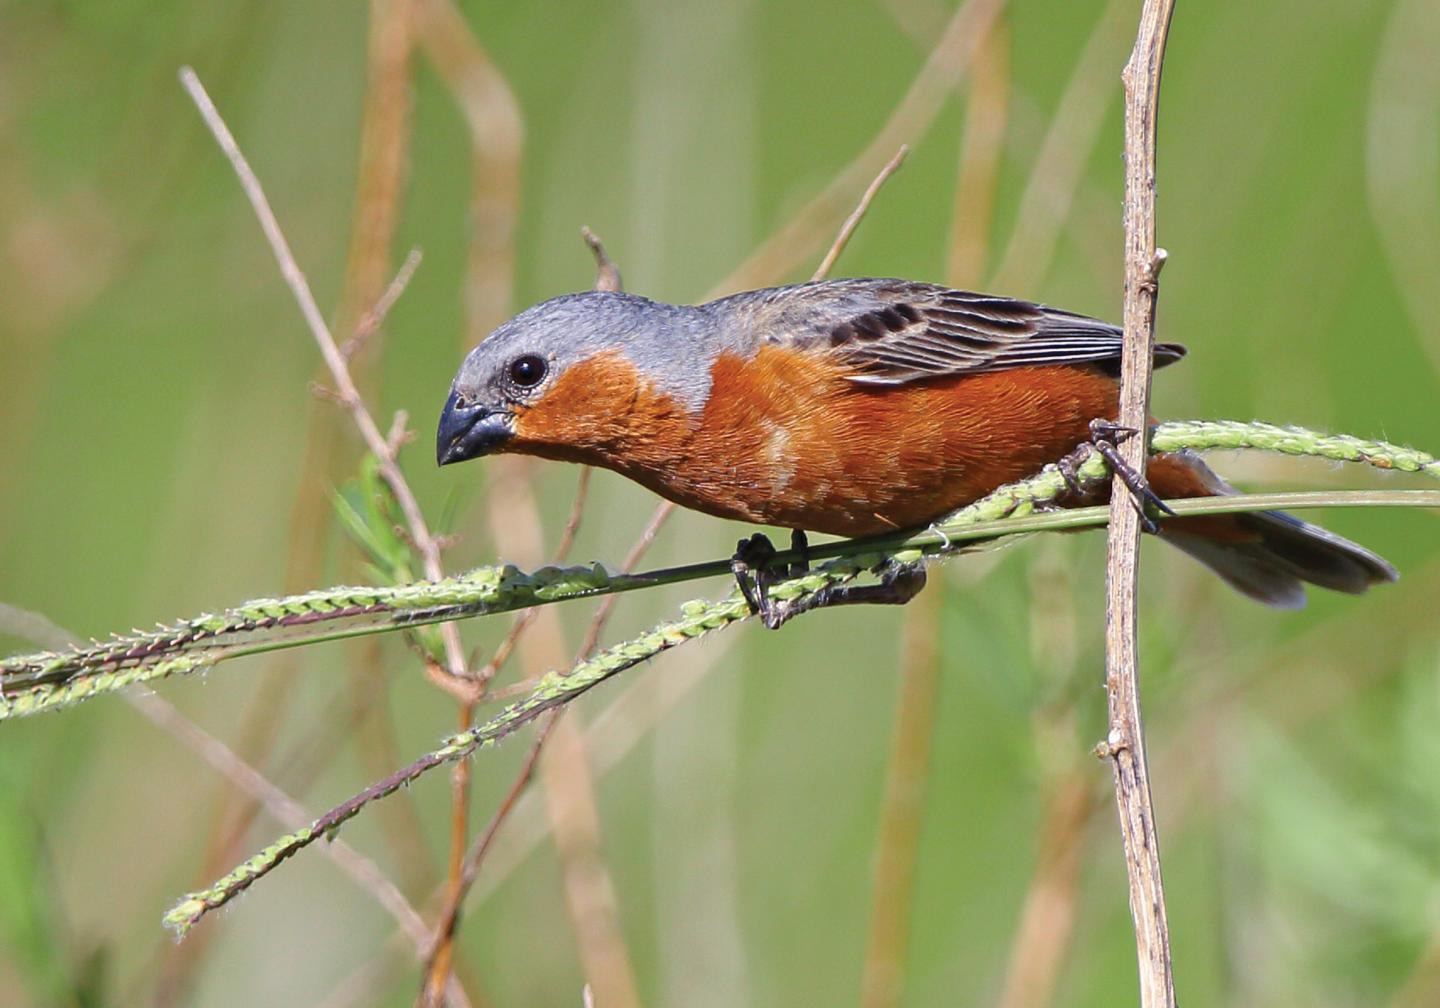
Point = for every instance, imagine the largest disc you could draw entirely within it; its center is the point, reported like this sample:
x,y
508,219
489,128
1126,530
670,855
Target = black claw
x,y
1069,466
1109,430
1104,435
748,563
743,578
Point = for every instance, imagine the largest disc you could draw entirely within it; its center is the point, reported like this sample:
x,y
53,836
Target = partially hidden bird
x,y
851,407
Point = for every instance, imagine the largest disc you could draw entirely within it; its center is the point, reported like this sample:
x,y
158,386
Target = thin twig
x,y
383,155
607,276
373,319
379,444
1124,745
440,951
858,214
339,370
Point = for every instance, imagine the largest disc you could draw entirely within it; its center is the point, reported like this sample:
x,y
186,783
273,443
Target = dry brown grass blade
x,y
1047,915
384,152
497,135
497,140
567,780
912,737
982,144
805,232
903,803
1059,164
590,895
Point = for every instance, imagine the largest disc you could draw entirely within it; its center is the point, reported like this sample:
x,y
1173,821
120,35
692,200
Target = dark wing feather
x,y
897,331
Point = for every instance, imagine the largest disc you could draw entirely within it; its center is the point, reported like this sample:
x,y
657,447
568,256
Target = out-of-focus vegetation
x,y
161,455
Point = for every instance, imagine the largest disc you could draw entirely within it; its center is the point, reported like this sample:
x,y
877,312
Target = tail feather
x,y
1267,555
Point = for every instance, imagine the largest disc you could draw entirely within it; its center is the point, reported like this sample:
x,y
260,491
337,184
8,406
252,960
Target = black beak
x,y
469,430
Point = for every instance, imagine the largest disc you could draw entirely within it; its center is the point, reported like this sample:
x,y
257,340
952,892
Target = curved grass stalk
x,y
45,681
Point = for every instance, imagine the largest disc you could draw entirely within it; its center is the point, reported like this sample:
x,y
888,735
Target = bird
x,y
849,407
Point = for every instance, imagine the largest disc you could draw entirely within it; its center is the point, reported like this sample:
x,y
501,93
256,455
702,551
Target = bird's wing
x,y
897,331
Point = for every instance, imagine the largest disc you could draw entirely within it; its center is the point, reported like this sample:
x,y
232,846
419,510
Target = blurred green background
x,y
162,454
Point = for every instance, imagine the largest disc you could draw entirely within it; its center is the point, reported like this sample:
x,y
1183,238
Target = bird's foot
x,y
1104,437
898,584
750,565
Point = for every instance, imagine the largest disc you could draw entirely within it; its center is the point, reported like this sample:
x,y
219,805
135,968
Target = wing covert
x,y
895,331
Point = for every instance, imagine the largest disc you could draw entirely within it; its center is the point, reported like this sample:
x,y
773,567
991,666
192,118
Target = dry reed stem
x,y
1047,915
1124,744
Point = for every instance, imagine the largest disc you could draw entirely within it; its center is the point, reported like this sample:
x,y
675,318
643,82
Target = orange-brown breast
x,y
786,439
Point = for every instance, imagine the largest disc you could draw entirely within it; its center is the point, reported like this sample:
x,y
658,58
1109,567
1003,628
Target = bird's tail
x,y
1267,555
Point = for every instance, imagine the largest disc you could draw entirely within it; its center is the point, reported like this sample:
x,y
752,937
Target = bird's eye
x,y
527,371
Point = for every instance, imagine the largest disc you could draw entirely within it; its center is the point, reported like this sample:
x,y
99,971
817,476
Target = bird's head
x,y
559,375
